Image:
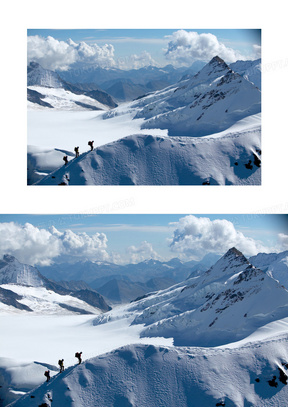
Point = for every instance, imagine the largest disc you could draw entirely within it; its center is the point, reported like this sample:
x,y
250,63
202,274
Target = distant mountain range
x,y
46,88
21,282
103,84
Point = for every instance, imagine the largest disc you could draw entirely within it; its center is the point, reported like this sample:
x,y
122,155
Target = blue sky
x,y
162,45
132,238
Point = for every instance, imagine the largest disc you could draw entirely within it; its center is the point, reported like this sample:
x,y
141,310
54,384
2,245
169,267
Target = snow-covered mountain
x,y
14,272
274,264
201,130
225,304
210,102
231,158
95,273
250,70
23,287
104,77
47,90
120,290
38,76
253,374
232,301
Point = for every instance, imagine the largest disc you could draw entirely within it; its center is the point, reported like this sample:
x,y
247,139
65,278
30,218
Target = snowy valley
x,y
217,337
203,129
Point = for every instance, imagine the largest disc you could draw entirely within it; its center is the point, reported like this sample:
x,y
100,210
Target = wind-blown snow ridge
x,y
147,375
232,158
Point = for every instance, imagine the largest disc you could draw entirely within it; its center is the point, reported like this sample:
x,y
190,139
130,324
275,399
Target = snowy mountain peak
x,y
38,76
8,258
14,272
232,262
233,252
217,60
223,305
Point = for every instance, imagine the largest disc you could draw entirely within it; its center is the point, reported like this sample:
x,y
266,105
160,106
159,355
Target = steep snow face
x,y
274,264
38,76
148,375
12,271
225,304
227,158
210,102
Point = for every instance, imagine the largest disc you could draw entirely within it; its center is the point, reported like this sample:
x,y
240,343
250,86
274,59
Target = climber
x,y
78,355
65,158
76,149
61,365
47,374
90,143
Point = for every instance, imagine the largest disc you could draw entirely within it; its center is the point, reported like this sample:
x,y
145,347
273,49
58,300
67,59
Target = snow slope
x,y
148,375
250,70
216,103
125,370
210,102
43,301
62,99
12,271
46,90
31,343
274,264
225,304
232,157
34,292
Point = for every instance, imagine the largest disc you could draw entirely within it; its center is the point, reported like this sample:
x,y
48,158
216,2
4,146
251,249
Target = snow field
x,y
147,160
136,375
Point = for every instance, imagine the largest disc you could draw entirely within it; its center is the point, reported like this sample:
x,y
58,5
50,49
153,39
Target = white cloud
x,y
50,53
144,252
185,47
194,237
257,51
60,55
136,61
283,241
32,245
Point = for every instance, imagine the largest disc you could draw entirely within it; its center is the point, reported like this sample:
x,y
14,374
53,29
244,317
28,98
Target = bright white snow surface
x,y
64,99
54,133
45,302
216,100
34,342
149,374
144,159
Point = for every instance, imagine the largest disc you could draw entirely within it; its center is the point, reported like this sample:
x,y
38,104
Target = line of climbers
x,y
76,149
78,355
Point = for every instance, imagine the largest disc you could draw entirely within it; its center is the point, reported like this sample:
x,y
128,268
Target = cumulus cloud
x,y
185,47
144,252
135,61
194,237
32,245
60,55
